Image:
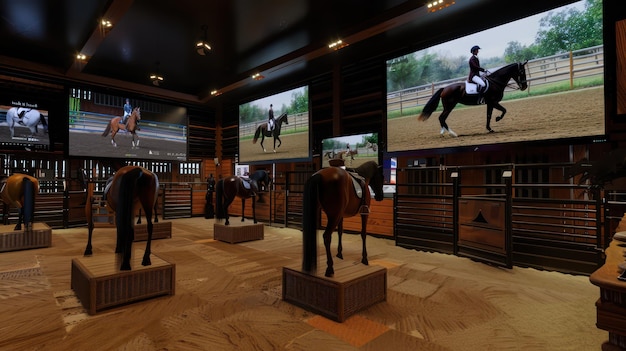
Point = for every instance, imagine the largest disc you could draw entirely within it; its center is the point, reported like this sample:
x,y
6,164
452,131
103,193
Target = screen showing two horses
x,y
275,128
543,78
103,125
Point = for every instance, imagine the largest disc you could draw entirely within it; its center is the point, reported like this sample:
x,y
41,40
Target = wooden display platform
x,y
161,230
14,240
100,285
354,287
238,232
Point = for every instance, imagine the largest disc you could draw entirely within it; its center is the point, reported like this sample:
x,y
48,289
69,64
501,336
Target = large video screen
x,y
97,128
24,123
564,97
288,137
351,150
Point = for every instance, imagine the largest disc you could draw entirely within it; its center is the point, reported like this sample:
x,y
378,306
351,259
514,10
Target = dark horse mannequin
x,y
333,190
230,187
19,190
262,131
131,186
455,93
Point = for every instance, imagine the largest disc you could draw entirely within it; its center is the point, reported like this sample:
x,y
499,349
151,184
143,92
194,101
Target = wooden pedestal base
x,y
99,283
239,232
13,240
161,230
353,288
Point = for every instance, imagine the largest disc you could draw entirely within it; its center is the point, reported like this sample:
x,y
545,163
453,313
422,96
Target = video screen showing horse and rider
x,y
102,125
24,125
275,128
537,78
350,151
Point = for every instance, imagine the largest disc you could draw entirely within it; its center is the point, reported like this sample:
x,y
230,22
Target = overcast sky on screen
x,y
494,41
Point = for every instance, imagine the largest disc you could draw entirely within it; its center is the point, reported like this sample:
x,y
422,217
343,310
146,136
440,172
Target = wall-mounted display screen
x,y
24,123
564,73
352,150
152,130
275,128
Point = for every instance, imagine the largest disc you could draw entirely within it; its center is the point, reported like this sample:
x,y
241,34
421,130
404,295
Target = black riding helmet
x,y
474,48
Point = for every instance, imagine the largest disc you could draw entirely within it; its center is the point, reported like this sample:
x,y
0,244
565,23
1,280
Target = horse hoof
x,y
499,118
340,256
490,130
329,272
146,262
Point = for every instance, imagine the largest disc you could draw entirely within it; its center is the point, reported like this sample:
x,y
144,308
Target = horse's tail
x,y
257,134
125,203
219,203
43,121
309,223
29,202
107,130
430,106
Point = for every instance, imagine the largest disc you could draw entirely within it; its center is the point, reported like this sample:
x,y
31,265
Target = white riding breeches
x,y
479,81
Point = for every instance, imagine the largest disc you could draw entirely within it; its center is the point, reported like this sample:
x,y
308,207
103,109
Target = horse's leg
x,y
254,208
442,121
339,235
262,140
328,232
489,113
280,142
139,217
146,255
89,215
243,208
20,218
497,106
113,132
363,237
227,202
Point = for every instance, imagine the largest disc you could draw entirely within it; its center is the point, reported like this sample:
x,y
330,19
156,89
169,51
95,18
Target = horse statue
x,y
131,186
262,131
456,93
114,126
26,117
340,193
19,190
228,188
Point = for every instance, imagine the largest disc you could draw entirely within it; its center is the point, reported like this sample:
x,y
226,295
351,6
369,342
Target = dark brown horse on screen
x,y
340,194
455,93
227,189
262,131
114,126
19,190
130,187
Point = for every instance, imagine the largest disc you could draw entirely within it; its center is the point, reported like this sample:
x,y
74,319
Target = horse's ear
x,y
525,62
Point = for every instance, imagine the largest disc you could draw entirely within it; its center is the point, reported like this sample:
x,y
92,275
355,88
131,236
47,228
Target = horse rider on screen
x,y
270,119
475,69
127,111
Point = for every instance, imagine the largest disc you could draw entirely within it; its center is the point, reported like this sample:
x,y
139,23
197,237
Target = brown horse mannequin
x,y
230,187
131,186
333,190
115,126
19,190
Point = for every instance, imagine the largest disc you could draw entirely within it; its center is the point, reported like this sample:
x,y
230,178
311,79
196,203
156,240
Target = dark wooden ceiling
x,y
281,39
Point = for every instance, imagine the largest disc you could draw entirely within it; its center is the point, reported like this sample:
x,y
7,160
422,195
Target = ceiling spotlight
x,y
336,45
257,76
81,57
156,79
437,5
202,46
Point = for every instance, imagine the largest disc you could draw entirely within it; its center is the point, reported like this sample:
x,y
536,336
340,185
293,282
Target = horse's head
x,y
376,183
520,77
137,113
374,173
284,118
